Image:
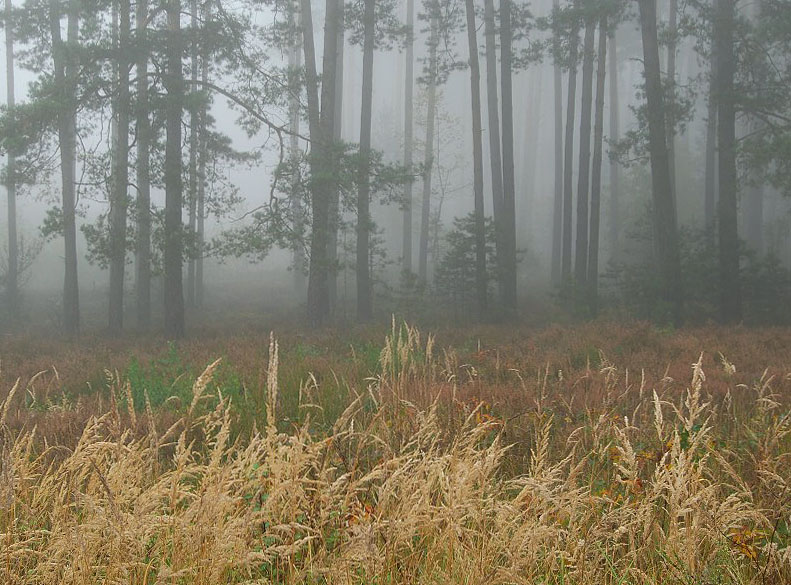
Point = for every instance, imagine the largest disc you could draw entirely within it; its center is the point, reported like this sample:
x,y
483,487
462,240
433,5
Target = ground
x,y
593,453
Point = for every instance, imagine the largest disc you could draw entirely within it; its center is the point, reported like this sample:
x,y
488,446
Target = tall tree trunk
x,y
174,238
730,290
113,126
409,81
321,124
203,155
664,212
143,242
318,291
495,156
710,193
193,151
583,180
598,148
428,156
364,300
481,281
754,199
119,201
568,165
298,248
337,134
66,70
672,26
508,217
557,210
12,277
615,134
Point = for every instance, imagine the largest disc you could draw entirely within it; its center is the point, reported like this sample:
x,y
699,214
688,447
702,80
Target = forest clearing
x,y
395,292
601,453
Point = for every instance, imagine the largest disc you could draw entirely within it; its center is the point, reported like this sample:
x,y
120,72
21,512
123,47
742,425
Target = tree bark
x,y
12,276
364,300
754,200
568,165
710,193
730,289
318,291
664,212
409,81
66,66
495,144
672,25
428,156
615,134
298,248
143,240
557,210
321,123
203,156
192,175
583,180
337,133
119,201
598,148
174,242
481,281
508,217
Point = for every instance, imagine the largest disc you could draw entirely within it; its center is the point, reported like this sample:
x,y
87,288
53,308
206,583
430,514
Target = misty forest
x,y
396,291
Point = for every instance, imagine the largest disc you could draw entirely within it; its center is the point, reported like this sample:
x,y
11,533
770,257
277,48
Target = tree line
x,y
122,104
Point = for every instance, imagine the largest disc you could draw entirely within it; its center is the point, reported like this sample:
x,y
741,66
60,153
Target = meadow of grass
x,y
594,454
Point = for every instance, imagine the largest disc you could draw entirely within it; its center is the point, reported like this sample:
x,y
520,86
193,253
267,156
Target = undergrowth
x,y
404,475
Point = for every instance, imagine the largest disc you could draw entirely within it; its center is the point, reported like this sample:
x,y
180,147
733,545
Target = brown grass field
x,y
594,454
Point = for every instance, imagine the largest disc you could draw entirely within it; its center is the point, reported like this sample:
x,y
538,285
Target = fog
x,y
258,283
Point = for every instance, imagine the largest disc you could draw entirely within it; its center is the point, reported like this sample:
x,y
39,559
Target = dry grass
x,y
589,476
